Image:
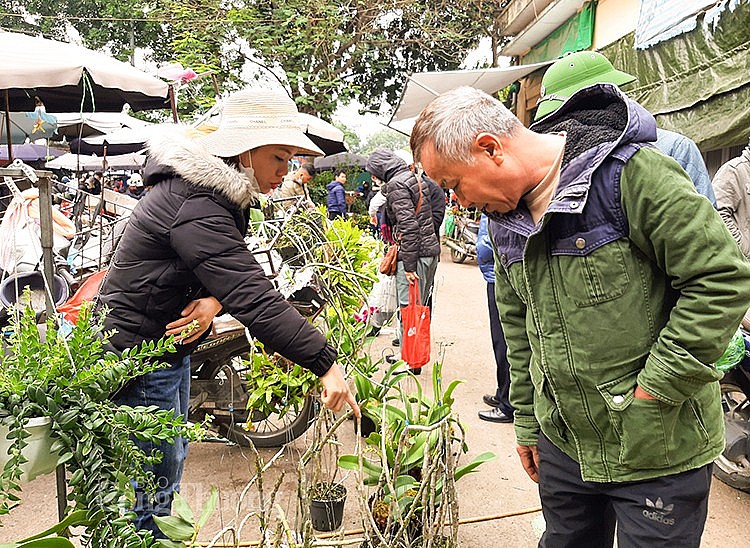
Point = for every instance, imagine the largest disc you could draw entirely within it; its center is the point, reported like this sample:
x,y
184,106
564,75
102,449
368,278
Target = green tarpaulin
x,y
697,83
575,34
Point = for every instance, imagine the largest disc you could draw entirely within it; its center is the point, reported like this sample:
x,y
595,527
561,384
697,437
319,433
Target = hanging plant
x,y
70,381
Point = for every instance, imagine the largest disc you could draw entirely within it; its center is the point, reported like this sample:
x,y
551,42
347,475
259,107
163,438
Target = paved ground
x,y
460,328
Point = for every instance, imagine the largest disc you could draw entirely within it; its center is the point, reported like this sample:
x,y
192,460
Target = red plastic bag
x,y
415,318
87,292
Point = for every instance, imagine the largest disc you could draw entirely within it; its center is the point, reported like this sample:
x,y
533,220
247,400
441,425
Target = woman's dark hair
x,y
233,161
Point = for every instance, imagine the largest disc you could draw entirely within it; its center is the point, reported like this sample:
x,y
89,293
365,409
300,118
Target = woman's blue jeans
x,y
167,388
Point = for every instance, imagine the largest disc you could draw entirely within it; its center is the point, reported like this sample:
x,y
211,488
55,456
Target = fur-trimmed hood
x,y
172,150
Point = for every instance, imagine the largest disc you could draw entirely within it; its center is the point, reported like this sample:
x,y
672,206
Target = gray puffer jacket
x,y
408,205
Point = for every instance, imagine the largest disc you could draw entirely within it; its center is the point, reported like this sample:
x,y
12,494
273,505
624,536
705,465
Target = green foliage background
x,y
324,52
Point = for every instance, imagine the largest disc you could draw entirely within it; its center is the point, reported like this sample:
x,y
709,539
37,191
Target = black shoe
x,y
395,342
492,401
494,415
392,358
413,370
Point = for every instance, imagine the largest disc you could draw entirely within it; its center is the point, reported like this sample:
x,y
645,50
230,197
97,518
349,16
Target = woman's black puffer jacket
x,y
401,187
184,240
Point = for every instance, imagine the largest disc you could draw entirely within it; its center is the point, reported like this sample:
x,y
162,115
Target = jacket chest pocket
x,y
596,277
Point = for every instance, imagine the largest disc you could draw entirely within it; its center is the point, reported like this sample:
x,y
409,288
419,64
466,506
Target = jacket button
x,y
503,259
573,205
618,399
580,243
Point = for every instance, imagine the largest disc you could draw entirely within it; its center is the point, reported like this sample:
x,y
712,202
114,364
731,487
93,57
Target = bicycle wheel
x,y
219,389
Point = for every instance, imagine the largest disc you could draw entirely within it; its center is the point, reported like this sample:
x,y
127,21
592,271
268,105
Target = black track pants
x,y
662,512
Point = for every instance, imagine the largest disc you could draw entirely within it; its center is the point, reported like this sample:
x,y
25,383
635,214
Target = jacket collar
x,y
172,150
575,177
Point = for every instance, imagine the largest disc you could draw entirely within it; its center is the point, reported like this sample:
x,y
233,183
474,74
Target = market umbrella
x,y
120,141
85,162
423,87
29,152
27,125
328,137
342,159
64,75
73,125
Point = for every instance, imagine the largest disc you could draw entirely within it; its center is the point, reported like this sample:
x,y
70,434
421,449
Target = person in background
x,y
408,209
376,211
182,258
135,186
502,410
732,187
437,205
618,287
578,70
364,189
295,185
94,183
119,185
336,201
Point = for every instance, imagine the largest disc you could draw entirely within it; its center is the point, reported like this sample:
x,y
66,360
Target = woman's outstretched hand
x,y
336,391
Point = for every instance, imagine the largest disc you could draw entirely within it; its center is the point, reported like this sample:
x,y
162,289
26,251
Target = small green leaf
x,y
209,507
161,543
479,459
174,527
182,509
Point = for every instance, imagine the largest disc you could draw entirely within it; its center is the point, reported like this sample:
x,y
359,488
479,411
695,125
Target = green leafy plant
x,y
184,527
274,384
70,380
50,538
404,458
347,266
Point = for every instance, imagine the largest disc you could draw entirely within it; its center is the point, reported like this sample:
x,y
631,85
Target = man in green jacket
x,y
618,287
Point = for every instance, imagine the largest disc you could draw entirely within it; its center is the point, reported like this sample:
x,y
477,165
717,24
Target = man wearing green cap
x,y
618,287
584,68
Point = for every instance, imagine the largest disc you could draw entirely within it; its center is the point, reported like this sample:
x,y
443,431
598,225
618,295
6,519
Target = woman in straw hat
x,y
183,256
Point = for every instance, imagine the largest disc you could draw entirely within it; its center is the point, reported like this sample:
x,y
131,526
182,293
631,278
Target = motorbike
x,y
461,237
733,465
218,386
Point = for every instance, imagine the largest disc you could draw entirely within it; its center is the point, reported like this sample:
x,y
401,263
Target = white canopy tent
x,y
422,87
84,162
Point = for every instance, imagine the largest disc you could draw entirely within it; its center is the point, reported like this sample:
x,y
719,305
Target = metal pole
x,y
172,104
45,220
7,126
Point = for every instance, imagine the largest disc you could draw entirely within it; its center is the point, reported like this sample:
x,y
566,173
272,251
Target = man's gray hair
x,y
452,121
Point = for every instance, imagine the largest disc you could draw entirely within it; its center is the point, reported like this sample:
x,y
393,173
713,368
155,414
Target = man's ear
x,y
489,144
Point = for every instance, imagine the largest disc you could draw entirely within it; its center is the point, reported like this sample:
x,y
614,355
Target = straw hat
x,y
256,117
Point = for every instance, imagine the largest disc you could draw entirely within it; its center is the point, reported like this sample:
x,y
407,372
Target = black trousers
x,y
500,348
669,511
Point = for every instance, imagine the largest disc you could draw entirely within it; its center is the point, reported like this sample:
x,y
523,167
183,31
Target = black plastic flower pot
x,y
327,506
367,426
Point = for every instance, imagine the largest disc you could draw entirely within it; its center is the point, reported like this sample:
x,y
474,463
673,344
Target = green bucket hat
x,y
573,72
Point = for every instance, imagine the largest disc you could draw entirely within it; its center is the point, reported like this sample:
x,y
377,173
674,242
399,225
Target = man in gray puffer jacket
x,y
408,209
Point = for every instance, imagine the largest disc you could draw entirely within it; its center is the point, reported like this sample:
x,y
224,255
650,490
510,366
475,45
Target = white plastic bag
x,y
383,300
